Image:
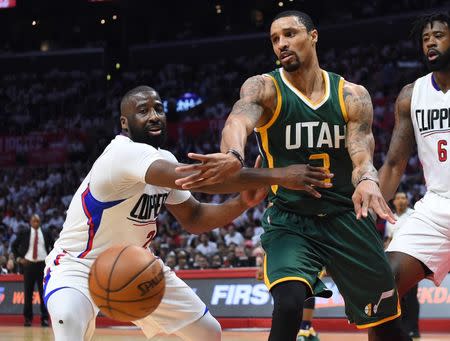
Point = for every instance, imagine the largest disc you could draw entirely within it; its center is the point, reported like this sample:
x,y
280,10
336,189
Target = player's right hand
x,y
305,177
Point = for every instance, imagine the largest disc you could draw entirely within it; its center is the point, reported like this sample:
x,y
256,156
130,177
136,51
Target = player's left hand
x,y
368,195
212,169
254,196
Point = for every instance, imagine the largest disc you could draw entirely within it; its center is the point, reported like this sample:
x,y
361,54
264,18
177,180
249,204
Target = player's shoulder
x,y
123,144
405,95
167,155
261,86
354,89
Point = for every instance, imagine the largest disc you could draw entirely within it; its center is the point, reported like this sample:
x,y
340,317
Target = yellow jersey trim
x,y
277,108
263,130
341,99
313,105
387,319
284,279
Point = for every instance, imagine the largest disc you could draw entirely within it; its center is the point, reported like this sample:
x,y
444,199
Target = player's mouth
x,y
432,55
154,130
285,56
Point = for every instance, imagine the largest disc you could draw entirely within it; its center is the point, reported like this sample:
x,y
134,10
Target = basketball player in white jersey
x,y
421,248
118,202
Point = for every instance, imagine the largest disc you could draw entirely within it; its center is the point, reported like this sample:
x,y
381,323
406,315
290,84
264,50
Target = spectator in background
x,y
31,246
171,260
206,247
233,236
201,262
3,268
410,303
182,261
216,262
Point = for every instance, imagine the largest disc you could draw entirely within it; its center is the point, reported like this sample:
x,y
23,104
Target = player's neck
x,y
442,79
308,79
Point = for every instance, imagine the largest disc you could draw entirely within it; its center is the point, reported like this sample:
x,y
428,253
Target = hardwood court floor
x,y
17,333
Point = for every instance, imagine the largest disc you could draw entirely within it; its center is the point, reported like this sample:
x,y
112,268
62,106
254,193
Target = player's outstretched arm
x,y
197,217
297,177
360,144
401,147
255,106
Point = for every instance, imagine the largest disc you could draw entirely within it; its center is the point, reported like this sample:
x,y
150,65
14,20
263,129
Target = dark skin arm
x,y
197,217
298,177
360,146
401,146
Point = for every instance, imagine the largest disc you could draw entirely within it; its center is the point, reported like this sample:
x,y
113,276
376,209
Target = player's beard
x,y
293,66
441,63
142,136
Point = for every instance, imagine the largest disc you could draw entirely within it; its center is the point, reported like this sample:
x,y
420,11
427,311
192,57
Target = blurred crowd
x,y
85,104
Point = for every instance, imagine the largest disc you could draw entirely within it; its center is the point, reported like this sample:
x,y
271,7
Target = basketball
x,y
126,282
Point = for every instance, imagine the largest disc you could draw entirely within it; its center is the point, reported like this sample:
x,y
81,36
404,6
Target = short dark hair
x,y
423,21
302,17
131,93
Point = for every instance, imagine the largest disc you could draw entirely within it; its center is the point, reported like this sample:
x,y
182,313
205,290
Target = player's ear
x,y
314,36
124,123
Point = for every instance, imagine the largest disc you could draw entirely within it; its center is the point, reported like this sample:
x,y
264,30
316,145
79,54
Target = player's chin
x,y
291,66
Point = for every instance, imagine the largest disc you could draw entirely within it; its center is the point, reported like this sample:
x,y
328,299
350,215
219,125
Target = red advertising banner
x,y
37,148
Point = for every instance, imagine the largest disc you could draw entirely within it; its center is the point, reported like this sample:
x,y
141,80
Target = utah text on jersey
x,y
319,134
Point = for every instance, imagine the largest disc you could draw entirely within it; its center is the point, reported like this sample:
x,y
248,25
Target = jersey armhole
x,y
277,108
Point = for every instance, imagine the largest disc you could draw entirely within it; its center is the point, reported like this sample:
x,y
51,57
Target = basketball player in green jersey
x,y
303,114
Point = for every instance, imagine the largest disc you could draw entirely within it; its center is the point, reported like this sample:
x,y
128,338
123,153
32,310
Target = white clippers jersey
x,y
430,114
114,205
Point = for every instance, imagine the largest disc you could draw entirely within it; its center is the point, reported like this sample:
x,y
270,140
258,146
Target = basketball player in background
x,y
118,202
303,114
421,248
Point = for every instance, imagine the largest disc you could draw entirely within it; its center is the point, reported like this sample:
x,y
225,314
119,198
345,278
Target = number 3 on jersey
x,y
326,162
442,151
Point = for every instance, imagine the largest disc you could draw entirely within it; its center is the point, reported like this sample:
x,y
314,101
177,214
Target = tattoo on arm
x,y
360,140
251,100
403,139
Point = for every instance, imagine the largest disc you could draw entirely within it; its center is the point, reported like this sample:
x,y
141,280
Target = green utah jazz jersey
x,y
302,131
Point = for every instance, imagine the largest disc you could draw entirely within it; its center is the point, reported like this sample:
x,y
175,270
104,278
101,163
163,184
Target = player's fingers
x,y
200,157
365,205
322,175
189,179
376,206
311,191
389,214
318,183
193,184
203,181
190,168
356,198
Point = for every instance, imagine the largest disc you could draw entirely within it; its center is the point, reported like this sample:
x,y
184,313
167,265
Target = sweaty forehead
x,y
286,23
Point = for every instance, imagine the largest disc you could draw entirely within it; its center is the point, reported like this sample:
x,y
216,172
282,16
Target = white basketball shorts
x,y
425,235
179,307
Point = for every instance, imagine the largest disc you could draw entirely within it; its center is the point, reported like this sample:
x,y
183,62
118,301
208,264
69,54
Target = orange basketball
x,y
127,282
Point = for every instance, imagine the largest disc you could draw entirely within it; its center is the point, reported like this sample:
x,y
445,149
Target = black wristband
x,y
237,156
